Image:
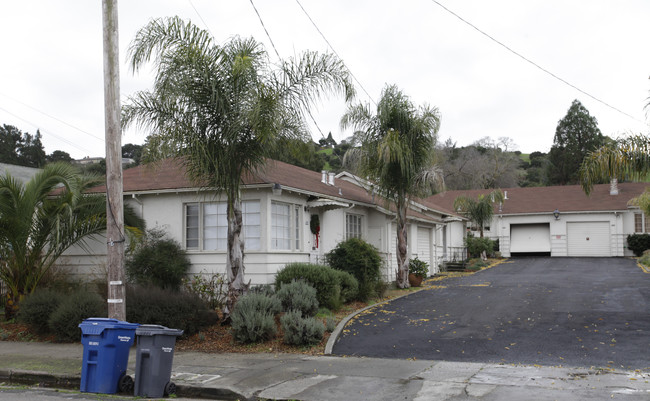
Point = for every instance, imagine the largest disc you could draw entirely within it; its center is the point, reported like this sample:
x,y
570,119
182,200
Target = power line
x,y
52,117
201,18
532,62
332,48
47,132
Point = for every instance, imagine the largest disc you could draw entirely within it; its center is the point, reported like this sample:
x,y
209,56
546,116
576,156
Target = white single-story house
x,y
562,220
279,204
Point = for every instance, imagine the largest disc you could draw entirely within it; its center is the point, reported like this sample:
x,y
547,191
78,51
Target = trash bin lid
x,y
96,325
156,329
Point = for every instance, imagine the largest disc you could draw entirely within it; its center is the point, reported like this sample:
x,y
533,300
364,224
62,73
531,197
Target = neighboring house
x,y
278,203
595,225
21,173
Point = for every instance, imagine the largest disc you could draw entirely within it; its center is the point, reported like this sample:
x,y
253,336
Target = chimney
x,y
505,195
331,179
323,177
613,186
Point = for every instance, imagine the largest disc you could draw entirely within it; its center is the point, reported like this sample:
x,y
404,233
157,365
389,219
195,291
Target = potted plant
x,y
418,270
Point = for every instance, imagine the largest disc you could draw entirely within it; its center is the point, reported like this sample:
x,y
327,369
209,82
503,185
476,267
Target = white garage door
x,y
588,239
424,245
533,238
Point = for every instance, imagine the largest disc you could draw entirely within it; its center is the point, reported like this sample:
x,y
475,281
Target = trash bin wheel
x,y
125,384
170,388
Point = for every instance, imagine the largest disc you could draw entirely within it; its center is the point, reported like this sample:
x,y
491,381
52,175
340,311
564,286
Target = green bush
x,y
253,318
476,245
349,286
638,243
74,309
645,259
330,324
418,267
173,309
476,264
36,309
322,278
360,259
301,331
157,261
298,296
211,290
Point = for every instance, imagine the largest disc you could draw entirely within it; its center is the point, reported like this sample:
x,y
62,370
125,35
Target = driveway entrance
x,y
547,311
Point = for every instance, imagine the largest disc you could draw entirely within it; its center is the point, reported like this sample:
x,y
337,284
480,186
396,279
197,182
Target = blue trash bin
x,y
106,345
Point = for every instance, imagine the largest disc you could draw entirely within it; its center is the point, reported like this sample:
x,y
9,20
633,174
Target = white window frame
x,y
285,234
251,236
645,223
353,226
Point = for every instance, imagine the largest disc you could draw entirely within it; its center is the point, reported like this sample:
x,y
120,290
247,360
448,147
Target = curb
x,y
41,379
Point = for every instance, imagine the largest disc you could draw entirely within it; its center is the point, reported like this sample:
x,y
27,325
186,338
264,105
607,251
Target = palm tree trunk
x,y
402,273
235,259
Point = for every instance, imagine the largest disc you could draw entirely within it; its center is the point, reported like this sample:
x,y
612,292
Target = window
x,y
285,226
352,226
641,223
206,225
280,226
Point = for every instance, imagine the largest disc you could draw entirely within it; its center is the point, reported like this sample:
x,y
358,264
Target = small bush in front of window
x,y
360,259
301,331
253,318
638,243
323,278
476,246
298,296
212,289
36,309
158,261
173,309
74,309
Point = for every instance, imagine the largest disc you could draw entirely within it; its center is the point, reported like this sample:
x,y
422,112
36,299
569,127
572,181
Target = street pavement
x,y
579,312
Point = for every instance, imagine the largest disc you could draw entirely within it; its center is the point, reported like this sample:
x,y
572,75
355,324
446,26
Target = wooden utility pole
x,y
113,132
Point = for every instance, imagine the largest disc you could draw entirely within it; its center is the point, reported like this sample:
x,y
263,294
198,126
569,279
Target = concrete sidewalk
x,y
288,376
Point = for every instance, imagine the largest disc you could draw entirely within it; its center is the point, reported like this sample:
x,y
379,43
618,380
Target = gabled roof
x,y
567,198
169,176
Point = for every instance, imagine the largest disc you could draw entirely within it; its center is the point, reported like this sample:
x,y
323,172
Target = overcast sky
x,y
51,68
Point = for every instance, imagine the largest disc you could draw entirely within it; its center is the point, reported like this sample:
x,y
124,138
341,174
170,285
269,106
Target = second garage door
x,y
530,238
588,239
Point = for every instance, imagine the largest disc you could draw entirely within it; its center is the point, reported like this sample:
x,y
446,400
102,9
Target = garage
x,y
588,239
530,239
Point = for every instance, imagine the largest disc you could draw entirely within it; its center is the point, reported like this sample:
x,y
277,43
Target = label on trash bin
x,y
167,349
93,342
124,339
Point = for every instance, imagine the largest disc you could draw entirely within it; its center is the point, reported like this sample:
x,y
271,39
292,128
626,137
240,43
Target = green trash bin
x,y
153,363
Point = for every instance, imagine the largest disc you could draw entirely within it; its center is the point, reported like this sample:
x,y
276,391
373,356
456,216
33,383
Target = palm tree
x,y
479,210
39,220
395,149
221,108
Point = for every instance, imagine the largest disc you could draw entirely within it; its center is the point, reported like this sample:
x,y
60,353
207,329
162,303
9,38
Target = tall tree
x,y
132,151
395,149
479,210
31,151
576,135
222,108
59,156
20,148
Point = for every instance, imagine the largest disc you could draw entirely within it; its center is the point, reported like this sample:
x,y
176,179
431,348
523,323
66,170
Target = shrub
x,y
158,261
72,310
638,243
301,331
418,267
264,289
330,324
349,286
211,290
476,246
253,318
360,259
476,264
173,309
322,278
298,296
36,309
645,259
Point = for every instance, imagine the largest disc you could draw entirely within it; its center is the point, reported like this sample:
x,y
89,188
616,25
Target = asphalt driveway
x,y
547,311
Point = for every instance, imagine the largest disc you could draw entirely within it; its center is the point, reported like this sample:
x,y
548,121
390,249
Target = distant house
x,y
595,225
279,205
